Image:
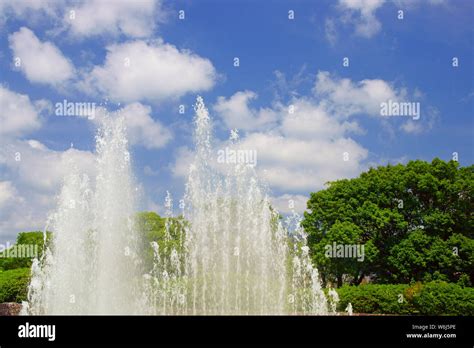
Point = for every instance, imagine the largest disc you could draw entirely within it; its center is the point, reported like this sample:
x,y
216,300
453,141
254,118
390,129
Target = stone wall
x,y
10,308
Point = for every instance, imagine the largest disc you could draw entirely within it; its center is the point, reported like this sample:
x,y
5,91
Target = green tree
x,y
30,239
168,233
417,217
332,267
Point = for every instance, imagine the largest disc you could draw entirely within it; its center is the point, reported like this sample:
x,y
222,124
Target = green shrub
x,y
376,299
464,280
9,263
14,285
433,298
438,298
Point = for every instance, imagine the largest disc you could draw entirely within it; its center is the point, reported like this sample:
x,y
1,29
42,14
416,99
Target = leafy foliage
x,y
168,233
14,285
35,238
415,220
375,299
433,298
445,298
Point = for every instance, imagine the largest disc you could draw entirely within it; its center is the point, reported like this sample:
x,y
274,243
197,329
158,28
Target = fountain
x,y
92,262
227,253
238,257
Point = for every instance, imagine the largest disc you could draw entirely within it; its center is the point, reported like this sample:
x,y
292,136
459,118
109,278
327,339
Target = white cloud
x,y
361,13
22,6
236,113
312,121
300,151
18,115
8,193
344,97
330,30
289,164
427,120
38,175
287,203
296,152
300,165
131,18
410,4
41,62
412,127
142,129
170,72
41,168
52,166
86,18
31,9
149,171
184,158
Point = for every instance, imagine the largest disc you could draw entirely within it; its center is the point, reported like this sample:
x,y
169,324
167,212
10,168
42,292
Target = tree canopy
x,y
168,233
34,238
415,222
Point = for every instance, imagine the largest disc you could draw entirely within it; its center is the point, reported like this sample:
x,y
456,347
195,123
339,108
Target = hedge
x,y
445,298
433,298
14,285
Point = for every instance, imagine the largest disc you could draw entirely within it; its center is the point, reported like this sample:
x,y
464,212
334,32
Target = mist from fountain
x,y
91,265
235,256
228,253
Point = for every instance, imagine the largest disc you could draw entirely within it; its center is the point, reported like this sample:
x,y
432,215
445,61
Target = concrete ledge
x,y
10,308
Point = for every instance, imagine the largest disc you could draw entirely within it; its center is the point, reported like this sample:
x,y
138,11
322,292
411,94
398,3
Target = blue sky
x,y
283,62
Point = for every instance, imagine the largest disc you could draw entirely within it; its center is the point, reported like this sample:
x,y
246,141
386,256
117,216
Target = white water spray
x,y
237,256
228,254
91,266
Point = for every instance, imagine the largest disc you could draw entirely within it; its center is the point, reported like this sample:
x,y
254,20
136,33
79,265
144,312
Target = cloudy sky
x,y
308,88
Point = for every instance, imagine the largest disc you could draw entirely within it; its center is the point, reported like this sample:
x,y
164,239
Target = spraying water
x,y
91,265
234,255
228,253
